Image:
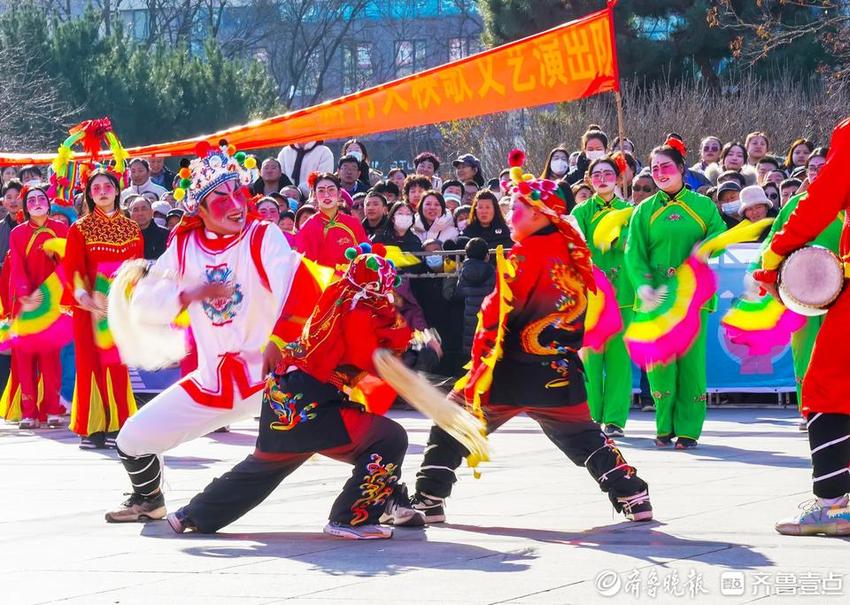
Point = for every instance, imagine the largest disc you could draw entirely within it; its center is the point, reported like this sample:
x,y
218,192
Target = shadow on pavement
x,y
410,549
640,541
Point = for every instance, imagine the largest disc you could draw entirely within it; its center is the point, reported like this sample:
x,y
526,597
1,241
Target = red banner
x,y
574,60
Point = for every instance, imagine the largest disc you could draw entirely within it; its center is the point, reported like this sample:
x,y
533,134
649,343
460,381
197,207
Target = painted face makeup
x,y
37,204
226,209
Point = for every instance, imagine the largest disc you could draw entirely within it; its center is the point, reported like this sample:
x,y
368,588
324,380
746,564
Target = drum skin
x,y
810,280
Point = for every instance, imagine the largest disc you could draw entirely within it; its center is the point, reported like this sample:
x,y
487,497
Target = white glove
x,y
651,298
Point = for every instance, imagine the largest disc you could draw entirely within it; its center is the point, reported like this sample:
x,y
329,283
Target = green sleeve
x,y
583,218
714,223
777,225
637,246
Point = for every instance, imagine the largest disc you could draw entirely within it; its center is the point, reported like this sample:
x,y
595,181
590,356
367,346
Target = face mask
x,y
159,221
403,221
594,155
731,208
356,154
461,225
435,261
559,166
293,204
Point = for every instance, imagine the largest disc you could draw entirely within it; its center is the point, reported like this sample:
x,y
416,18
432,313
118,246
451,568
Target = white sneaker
x,y
54,421
29,424
400,512
358,532
816,518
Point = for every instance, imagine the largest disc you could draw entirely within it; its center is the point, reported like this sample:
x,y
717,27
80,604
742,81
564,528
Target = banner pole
x,y
621,122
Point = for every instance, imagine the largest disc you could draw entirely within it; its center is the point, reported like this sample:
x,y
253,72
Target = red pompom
x,y
524,187
516,158
620,161
677,145
379,249
202,149
312,178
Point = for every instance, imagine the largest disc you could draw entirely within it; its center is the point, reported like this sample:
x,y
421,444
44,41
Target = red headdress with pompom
x,y
677,145
545,196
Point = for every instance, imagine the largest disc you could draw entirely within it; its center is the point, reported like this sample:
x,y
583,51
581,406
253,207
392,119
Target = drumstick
x,y
449,416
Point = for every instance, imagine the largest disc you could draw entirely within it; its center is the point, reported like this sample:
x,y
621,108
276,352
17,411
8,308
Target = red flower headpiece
x,y
312,178
620,160
677,145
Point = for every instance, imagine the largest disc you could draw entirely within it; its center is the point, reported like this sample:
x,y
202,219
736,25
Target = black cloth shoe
x,y
663,440
95,441
685,443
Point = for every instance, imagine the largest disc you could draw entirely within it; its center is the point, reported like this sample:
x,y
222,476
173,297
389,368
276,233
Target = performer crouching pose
x,y
527,341
826,386
233,274
305,411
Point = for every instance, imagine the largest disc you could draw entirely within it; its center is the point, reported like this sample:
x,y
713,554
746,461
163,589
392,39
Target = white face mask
x,y
159,221
559,166
594,155
403,221
731,208
356,154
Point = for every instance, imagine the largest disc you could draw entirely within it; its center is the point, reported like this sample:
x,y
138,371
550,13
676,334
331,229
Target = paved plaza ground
x,y
534,529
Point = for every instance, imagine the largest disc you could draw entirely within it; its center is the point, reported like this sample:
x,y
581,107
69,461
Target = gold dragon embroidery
x,y
569,307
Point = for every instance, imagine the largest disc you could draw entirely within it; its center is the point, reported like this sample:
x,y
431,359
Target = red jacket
x,y
30,265
829,194
324,240
826,386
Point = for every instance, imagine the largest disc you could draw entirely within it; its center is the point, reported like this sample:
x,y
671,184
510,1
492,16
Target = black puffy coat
x,y
477,279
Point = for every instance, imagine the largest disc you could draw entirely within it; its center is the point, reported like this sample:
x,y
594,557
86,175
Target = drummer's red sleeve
x,y
827,196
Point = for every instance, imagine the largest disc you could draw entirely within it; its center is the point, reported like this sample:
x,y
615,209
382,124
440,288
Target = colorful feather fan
x,y
48,326
761,324
603,319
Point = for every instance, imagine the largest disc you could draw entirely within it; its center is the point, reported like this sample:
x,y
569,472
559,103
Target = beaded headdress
x,y
213,167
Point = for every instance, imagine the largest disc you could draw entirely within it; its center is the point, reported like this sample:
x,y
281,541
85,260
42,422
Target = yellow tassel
x,y
609,228
745,231
55,245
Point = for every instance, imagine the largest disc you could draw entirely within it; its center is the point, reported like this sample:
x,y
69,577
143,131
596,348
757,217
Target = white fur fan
x,y
142,344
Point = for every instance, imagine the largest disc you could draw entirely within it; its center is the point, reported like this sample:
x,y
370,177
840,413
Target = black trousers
x,y
376,451
568,427
829,439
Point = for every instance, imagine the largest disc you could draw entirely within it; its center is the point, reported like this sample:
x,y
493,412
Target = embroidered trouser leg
x,y
829,439
802,344
570,428
609,381
678,389
377,450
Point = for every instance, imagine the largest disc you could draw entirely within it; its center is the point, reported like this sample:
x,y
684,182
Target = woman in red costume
x,y
97,244
326,235
826,386
30,266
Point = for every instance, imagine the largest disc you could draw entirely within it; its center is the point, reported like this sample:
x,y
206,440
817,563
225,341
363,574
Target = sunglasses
x,y
711,148
773,196
646,189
